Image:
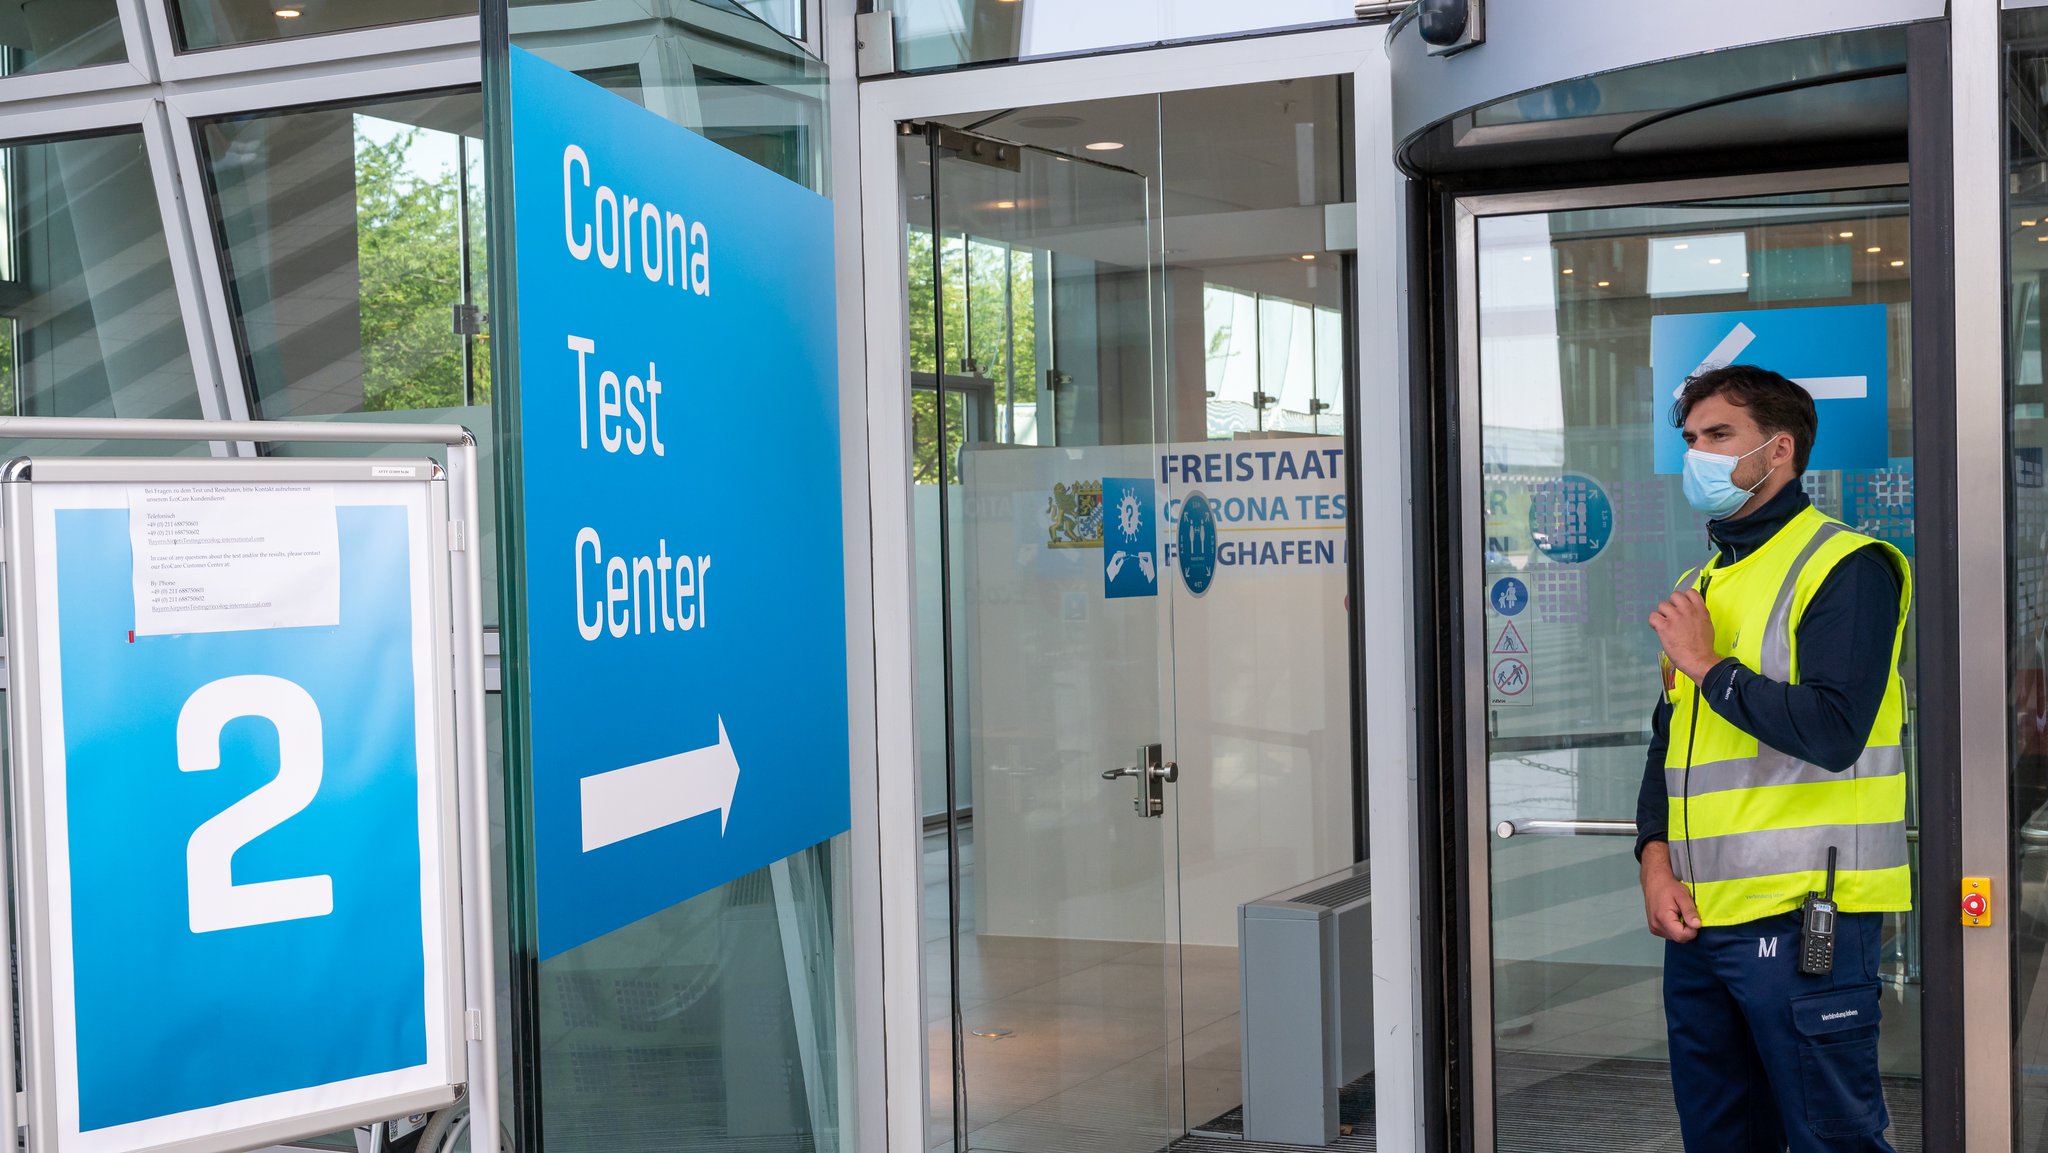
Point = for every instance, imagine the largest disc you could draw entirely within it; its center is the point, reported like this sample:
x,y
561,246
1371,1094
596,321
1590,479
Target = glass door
x,y
1587,320
1052,949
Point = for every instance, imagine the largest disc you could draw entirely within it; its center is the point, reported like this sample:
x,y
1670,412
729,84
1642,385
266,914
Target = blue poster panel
x,y
678,447
1838,352
1130,538
246,834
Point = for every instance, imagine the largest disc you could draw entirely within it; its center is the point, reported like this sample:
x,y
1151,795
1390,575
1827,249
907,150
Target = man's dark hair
x,y
1775,403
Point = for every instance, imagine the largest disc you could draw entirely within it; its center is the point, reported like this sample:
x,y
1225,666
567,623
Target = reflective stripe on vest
x,y
1750,826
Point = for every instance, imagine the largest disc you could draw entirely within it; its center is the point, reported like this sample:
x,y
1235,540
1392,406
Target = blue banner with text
x,y
685,605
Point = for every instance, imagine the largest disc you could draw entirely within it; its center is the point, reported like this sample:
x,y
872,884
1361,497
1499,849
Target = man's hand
x,y
1667,903
1687,633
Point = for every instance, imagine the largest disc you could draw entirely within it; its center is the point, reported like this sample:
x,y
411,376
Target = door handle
x,y
1153,773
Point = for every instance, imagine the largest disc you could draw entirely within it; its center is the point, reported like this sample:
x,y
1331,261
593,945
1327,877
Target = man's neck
x,y
1738,536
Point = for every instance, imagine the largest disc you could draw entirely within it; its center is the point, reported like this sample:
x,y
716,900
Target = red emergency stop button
x,y
1976,902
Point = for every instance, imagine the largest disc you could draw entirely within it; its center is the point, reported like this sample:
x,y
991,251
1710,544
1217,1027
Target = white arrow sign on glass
x,y
1818,387
624,803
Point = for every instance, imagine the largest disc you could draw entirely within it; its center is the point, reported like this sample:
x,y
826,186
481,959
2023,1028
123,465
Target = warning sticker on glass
x,y
215,558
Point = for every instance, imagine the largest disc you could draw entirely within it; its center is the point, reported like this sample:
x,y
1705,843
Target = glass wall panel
x,y
354,245
940,34
712,66
1585,534
47,35
1180,321
717,1023
2026,212
90,322
354,239
202,24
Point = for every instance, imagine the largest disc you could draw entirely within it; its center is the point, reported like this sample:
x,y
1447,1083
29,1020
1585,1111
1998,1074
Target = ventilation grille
x,y
1348,891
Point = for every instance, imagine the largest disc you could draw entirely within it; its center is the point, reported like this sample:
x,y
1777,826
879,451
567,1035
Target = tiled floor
x,y
1092,1059
1084,1053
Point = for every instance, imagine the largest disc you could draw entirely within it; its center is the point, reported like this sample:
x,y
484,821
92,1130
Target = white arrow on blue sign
x,y
1738,340
1839,353
637,799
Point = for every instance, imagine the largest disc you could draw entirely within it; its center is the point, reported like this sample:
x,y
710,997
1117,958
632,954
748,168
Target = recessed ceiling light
x,y
1567,271
1680,247
1874,249
1898,264
1006,204
1103,146
1527,259
1745,276
288,13
2028,223
1605,283
1846,235
1308,256
1714,260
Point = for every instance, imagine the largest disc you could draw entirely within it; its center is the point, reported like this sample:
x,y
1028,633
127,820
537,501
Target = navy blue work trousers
x,y
1765,1058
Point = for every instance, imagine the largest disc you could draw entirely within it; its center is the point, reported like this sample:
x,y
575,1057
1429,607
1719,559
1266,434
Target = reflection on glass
x,y
89,314
713,1024
936,34
1650,88
713,66
205,24
1273,364
48,35
988,292
1594,536
355,247
2026,211
785,16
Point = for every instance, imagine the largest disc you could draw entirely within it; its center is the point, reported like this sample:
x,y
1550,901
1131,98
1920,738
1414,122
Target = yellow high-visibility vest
x,y
1750,826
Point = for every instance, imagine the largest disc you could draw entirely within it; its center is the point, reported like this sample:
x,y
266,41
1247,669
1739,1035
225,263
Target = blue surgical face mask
x,y
1710,481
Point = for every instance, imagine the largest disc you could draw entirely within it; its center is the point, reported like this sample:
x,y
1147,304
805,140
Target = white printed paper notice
x,y
215,558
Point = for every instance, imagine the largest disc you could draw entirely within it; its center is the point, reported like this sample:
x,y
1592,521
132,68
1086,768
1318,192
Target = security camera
x,y
1451,26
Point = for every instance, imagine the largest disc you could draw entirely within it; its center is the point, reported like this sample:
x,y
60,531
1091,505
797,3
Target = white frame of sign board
x,y
447,658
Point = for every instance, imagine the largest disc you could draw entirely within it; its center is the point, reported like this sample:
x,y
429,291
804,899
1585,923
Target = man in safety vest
x,y
1775,750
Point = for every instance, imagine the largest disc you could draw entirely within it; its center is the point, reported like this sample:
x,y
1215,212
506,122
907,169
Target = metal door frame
x,y
1382,516
1939,353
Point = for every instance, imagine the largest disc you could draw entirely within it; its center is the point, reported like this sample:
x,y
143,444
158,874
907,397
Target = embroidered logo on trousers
x,y
1766,946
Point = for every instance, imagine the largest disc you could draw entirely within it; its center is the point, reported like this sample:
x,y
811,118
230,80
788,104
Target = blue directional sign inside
x,y
169,738
1838,352
1130,538
678,439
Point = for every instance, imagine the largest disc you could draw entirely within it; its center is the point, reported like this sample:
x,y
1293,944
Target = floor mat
x,y
1226,1133
1543,1109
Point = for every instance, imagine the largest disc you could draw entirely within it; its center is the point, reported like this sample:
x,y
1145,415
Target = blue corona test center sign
x,y
1838,353
678,446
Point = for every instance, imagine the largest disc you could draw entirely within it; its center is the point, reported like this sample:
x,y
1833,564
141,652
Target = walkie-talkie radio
x,y
1817,927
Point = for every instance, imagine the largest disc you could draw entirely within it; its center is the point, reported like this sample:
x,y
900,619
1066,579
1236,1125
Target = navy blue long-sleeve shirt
x,y
1845,660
